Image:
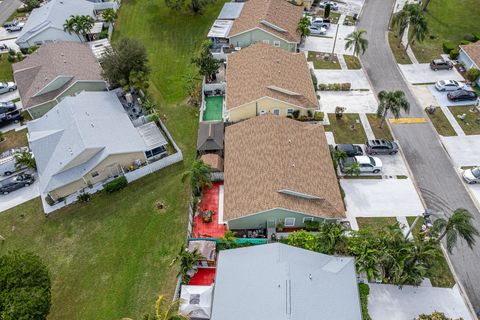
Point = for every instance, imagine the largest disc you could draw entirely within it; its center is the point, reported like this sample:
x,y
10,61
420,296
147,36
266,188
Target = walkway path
x,y
405,226
409,50
421,145
451,118
366,126
341,61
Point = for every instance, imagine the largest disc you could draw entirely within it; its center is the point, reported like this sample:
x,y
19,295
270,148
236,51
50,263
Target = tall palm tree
x,y
356,41
71,26
391,101
25,159
165,310
339,155
458,224
109,15
302,27
199,176
400,24
188,261
80,25
418,25
353,170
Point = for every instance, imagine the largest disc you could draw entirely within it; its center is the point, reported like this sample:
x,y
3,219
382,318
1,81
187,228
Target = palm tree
x,y
331,238
418,25
25,159
71,26
228,239
109,15
356,41
165,310
400,24
391,101
302,27
353,170
199,176
339,155
80,25
366,260
188,261
458,224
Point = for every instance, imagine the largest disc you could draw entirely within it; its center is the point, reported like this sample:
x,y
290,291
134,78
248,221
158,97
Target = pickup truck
x,y
9,112
366,164
19,26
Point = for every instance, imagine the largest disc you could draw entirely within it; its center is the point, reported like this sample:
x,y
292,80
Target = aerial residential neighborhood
x,y
244,159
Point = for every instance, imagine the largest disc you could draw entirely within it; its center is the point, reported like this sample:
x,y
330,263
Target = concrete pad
x,y
11,44
325,44
19,196
464,151
356,77
393,165
442,100
10,126
9,96
381,197
354,101
4,34
424,95
330,137
350,7
421,73
390,302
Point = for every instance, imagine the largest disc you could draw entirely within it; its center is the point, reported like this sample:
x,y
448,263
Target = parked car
x,y
321,22
462,95
441,64
19,26
350,149
7,161
472,175
381,146
9,112
17,182
9,24
366,164
333,5
447,85
314,30
7,87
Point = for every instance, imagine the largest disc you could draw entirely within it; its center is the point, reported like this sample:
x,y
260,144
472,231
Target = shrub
x,y
454,54
319,116
31,50
472,74
153,118
309,113
49,200
312,225
469,37
295,114
19,56
448,46
84,197
336,86
11,58
464,42
476,35
116,184
322,86
12,52
314,79
346,86
364,290
303,117
103,34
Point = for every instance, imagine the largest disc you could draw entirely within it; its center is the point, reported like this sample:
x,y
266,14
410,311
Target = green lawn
x,y
469,125
14,139
380,133
376,223
348,129
398,49
441,123
447,20
110,258
352,62
320,62
6,73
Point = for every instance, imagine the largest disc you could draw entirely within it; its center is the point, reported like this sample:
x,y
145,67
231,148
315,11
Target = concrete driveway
x,y
324,44
393,165
11,44
464,151
354,101
19,196
390,302
9,96
442,100
350,7
356,77
381,198
4,34
421,73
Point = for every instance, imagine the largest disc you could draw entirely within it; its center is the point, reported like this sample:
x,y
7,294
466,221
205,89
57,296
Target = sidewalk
x,y
451,118
409,50
341,62
366,126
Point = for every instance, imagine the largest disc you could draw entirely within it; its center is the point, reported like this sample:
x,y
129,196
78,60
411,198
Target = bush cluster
x,y
454,54
116,184
335,86
448,46
364,292
319,116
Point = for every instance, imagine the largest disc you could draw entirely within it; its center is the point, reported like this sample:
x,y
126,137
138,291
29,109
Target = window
x,y
289,222
307,219
289,111
276,112
94,174
266,41
276,43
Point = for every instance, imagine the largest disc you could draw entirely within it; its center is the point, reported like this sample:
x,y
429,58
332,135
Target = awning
x,y
196,301
205,247
220,29
151,135
230,11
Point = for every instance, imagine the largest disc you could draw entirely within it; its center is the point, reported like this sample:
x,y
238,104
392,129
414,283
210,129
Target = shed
x,y
196,301
210,137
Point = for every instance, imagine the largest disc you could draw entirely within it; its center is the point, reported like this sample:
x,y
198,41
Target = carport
x,y
381,198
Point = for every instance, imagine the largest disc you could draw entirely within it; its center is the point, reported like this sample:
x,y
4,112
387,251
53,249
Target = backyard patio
x,y
210,202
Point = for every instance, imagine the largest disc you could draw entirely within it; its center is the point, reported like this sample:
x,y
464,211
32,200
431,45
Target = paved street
x,y
439,184
7,7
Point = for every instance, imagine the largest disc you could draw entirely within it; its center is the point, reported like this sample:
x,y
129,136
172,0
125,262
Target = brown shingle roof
x,y
213,160
263,13
473,51
253,71
266,154
52,60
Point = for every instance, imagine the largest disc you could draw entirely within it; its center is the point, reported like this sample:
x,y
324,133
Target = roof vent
x,y
91,123
310,276
293,165
289,140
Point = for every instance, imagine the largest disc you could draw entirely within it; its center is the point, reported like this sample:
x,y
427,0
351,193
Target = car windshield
x,y
441,82
476,172
455,82
388,144
372,161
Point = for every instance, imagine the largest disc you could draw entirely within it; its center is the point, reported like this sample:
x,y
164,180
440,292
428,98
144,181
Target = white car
x,y
333,5
366,164
447,85
321,22
472,176
314,30
7,87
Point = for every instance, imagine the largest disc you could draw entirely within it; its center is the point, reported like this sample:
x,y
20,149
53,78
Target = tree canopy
x,y
24,287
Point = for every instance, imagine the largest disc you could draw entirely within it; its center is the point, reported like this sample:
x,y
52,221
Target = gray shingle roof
x,y
277,281
77,134
210,136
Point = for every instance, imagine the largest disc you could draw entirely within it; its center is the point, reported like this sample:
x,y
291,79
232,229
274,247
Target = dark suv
x,y
441,64
350,149
9,112
462,95
380,146
20,181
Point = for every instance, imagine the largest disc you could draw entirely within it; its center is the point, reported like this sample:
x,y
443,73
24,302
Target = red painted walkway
x,y
209,202
203,277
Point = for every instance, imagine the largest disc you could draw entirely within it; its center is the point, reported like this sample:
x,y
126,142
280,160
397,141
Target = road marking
x,y
407,120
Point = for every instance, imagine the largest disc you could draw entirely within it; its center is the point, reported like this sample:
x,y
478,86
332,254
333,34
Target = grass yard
x,y
321,62
348,129
469,125
14,139
376,223
334,16
441,123
447,20
6,73
398,51
380,133
110,258
352,62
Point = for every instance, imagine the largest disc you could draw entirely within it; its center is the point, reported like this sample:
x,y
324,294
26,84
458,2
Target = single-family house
x,y
307,4
278,171
282,282
241,24
470,56
45,24
263,79
85,140
54,71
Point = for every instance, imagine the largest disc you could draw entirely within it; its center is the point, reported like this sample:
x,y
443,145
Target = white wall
x,y
49,34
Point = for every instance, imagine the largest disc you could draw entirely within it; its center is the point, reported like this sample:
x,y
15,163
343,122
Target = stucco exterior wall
x,y
262,106
260,220
463,57
257,35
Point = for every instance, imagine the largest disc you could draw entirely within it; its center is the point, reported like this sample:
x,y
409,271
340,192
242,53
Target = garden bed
x,y
352,62
398,51
380,133
320,62
441,123
348,129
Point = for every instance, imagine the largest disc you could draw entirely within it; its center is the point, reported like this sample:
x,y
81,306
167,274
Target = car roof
x,y
378,142
363,159
436,61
